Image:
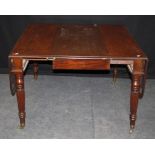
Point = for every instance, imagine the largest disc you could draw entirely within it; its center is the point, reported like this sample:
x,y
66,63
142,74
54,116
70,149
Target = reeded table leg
x,y
20,93
35,70
135,91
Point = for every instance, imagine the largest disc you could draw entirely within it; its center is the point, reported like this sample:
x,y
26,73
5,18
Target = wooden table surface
x,y
84,47
48,40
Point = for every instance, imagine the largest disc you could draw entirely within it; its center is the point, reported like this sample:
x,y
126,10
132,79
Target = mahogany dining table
x,y
77,47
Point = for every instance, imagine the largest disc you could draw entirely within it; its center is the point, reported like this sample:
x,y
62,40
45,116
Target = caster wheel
x,y
131,129
21,126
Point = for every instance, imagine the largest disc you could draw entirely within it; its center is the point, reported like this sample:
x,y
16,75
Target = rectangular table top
x,y
77,41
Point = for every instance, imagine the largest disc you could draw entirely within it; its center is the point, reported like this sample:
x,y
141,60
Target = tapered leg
x,y
35,70
135,91
20,93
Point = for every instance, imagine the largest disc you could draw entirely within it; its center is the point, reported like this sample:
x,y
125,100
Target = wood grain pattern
x,y
85,64
51,40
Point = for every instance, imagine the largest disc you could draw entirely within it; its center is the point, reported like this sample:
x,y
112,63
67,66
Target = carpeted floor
x,y
76,107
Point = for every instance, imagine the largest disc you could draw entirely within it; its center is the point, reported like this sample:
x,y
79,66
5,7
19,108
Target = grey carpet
x,y
76,107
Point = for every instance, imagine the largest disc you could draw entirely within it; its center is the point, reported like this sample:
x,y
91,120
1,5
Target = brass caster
x,y
21,126
131,129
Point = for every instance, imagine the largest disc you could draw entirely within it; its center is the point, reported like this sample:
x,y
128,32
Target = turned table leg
x,y
35,70
20,93
135,91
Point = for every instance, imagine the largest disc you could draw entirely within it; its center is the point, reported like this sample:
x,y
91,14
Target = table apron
x,y
81,64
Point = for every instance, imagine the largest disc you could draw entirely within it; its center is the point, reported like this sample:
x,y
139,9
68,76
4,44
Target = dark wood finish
x,y
83,64
49,40
135,90
82,47
21,98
